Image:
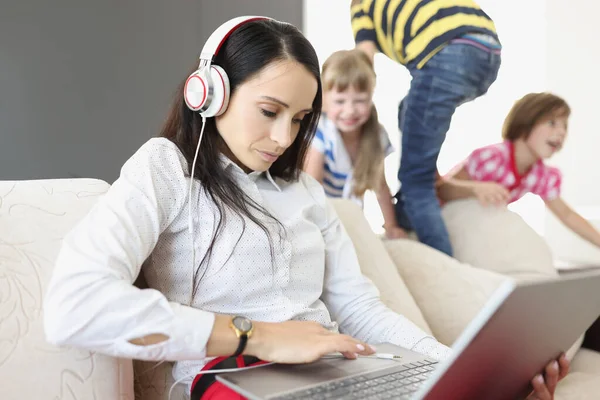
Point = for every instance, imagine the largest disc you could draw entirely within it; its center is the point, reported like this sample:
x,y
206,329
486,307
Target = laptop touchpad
x,y
265,381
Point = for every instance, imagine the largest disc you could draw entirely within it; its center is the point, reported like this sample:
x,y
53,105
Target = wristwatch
x,y
243,328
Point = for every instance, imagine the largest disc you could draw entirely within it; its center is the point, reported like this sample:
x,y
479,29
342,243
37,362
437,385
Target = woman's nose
x,y
282,135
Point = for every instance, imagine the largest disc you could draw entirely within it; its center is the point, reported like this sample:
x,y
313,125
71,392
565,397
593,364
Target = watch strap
x,y
242,345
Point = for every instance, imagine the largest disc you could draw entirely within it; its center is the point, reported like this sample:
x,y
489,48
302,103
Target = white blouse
x,y
141,225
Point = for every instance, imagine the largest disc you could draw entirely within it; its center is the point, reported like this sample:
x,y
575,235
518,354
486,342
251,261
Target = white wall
x,y
327,25
571,71
572,35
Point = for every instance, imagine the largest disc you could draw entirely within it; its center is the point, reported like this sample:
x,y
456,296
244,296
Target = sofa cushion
x,y
153,381
578,386
449,293
34,216
587,361
497,239
376,263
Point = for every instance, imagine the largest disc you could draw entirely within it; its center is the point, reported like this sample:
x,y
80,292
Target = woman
x,y
267,248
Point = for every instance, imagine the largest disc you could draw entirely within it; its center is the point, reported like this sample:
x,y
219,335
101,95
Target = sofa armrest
x,y
448,292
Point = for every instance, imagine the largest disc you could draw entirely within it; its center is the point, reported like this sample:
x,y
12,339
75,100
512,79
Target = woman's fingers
x,y
350,356
551,376
565,365
294,342
348,346
357,346
539,388
545,386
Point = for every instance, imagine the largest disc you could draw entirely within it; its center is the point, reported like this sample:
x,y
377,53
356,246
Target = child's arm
x,y
314,164
363,29
384,198
574,221
369,48
460,186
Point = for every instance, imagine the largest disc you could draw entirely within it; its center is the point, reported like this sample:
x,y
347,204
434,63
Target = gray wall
x,y
84,83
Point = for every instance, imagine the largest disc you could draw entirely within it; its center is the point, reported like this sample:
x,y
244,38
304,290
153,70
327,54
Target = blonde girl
x,y
350,145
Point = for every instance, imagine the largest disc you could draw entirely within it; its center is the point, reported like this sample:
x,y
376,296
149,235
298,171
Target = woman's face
x,y
264,114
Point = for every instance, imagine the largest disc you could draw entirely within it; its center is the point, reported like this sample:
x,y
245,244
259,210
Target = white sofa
x,y
438,293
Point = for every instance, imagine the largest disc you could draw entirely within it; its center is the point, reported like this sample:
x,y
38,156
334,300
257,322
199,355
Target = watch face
x,y
242,323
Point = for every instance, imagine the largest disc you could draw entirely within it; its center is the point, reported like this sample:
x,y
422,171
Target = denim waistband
x,y
483,38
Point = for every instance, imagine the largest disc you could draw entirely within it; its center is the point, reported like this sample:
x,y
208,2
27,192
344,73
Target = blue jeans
x,y
455,75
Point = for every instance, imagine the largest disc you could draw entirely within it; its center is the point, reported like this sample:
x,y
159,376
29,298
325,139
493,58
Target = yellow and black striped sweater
x,y
412,31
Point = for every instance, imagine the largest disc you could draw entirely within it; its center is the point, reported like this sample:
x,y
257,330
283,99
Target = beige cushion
x,y
377,265
448,293
153,381
34,216
587,361
578,386
497,239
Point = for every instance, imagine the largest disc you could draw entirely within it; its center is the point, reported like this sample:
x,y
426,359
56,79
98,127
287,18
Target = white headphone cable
x,y
190,219
213,371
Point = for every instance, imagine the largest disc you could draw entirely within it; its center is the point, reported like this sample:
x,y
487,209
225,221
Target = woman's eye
x,y
297,120
267,113
551,122
340,102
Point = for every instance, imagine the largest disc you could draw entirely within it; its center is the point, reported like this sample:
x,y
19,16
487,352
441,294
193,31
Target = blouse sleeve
x,y
91,301
353,300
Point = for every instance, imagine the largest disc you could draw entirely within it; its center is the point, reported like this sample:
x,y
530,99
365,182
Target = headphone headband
x,y
206,90
215,41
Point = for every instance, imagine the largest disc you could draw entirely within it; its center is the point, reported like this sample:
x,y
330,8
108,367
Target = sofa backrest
x,y
34,217
498,240
376,264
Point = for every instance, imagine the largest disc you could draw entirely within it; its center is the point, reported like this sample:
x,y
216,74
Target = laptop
x,y
521,328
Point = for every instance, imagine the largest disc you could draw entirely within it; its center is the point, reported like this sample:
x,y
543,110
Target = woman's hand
x,y
544,386
491,193
295,342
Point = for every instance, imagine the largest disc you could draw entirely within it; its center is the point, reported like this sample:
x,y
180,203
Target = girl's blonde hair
x,y
353,69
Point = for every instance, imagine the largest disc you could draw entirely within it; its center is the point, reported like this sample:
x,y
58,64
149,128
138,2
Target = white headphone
x,y
206,90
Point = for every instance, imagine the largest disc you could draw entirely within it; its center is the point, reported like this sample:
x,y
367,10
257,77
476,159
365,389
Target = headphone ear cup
x,y
196,90
219,100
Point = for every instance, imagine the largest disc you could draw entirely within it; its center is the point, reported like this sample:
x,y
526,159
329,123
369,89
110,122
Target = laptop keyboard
x,y
399,384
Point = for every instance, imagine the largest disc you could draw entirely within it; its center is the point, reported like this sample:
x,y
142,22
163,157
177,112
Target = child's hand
x,y
491,193
544,386
395,232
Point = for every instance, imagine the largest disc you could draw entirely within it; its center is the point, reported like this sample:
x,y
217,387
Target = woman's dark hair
x,y
245,53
